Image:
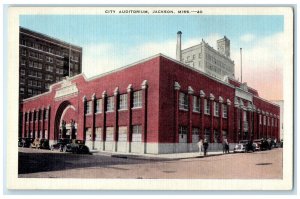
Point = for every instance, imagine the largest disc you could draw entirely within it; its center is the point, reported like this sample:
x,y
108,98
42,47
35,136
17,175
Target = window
x,y
136,133
110,104
268,121
49,68
30,63
272,122
46,134
207,134
23,62
275,121
57,79
22,81
49,59
29,91
98,105
88,108
216,136
46,112
206,107
23,52
88,134
216,107
195,135
39,75
36,115
183,101
47,85
57,70
245,116
22,71
41,56
196,104
123,102
183,134
264,120
137,99
122,134
224,107
98,132
110,134
49,77
259,119
22,90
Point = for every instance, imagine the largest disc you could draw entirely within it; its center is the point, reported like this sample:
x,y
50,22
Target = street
x,y
35,163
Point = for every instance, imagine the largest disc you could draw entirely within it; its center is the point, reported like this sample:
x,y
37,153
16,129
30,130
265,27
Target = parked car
x,y
61,145
244,146
40,143
68,145
257,144
25,142
264,145
44,144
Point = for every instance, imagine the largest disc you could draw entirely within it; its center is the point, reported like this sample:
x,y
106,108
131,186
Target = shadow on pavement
x,y
34,162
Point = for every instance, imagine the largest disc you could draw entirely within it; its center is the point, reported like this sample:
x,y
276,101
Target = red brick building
x,y
158,105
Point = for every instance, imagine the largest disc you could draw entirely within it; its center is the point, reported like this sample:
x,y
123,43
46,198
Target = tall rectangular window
x,y
136,133
268,121
183,130
195,135
122,134
272,122
264,120
110,134
196,104
183,101
216,107
206,107
88,108
98,105
22,90
224,108
22,72
98,134
88,134
137,99
123,102
46,114
110,104
259,119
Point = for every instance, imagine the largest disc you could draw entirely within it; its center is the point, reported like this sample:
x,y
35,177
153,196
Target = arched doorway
x,y
65,125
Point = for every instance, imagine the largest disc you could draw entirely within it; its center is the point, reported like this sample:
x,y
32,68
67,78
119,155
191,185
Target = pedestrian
x,y
226,146
205,146
200,145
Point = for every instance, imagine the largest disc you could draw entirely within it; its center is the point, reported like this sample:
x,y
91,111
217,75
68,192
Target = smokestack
x,y
178,46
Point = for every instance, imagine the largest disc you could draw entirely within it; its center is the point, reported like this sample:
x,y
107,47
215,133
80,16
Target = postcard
x,y
150,98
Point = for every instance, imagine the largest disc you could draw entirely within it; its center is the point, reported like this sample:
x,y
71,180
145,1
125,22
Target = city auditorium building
x,y
157,105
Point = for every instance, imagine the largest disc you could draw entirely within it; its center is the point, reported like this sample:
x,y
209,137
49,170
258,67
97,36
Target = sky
x,y
113,41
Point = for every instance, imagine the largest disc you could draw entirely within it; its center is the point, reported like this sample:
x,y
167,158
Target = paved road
x,y
48,164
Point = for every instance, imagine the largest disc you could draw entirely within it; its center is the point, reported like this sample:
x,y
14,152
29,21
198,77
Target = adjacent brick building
x,y
157,105
45,60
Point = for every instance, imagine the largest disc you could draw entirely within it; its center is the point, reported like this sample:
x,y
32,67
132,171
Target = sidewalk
x,y
172,156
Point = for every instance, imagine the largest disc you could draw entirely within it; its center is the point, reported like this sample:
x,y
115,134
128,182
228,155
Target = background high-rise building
x,y
203,57
45,60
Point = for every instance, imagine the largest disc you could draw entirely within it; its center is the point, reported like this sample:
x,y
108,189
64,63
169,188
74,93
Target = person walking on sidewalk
x,y
200,145
205,146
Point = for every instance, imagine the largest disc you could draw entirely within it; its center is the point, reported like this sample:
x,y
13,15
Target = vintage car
x,y
25,142
257,144
40,143
244,146
68,145
61,145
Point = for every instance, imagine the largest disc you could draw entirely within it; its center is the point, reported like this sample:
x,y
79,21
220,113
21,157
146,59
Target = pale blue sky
x,y
113,41
132,30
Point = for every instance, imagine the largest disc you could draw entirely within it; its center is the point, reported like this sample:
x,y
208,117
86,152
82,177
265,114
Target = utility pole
x,y
241,65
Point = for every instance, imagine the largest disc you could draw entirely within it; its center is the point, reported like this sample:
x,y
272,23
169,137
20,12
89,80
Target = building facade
x,y
203,57
280,103
158,105
43,61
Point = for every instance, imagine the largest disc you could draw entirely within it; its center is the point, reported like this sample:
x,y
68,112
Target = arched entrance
x,y
65,125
